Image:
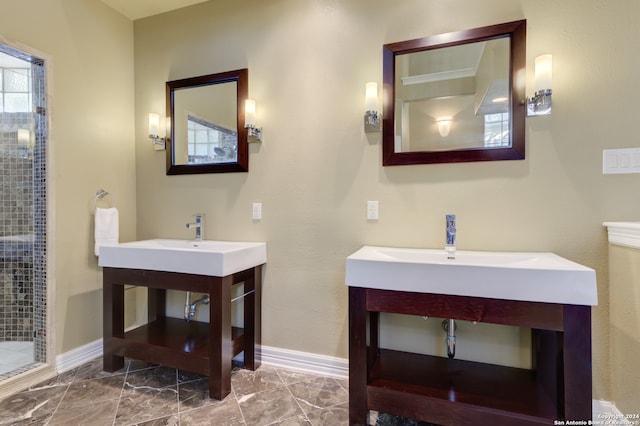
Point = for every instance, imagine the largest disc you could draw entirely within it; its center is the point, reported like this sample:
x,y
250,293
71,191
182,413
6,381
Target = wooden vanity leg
x,y
547,360
112,320
577,362
374,337
220,339
357,356
156,303
252,320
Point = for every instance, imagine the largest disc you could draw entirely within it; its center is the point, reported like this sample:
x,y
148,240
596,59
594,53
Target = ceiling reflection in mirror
x,y
463,89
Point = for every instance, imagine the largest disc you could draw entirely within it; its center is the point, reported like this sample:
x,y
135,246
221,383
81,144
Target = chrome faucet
x,y
450,245
198,225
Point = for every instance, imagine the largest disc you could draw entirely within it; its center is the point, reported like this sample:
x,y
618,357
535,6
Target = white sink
x,y
213,258
535,277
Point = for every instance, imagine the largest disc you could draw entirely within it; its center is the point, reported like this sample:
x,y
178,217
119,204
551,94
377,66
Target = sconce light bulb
x,y
543,72
154,123
444,127
371,96
250,113
540,102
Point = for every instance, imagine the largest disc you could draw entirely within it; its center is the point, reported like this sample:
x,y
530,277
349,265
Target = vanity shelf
x,y
457,392
202,348
169,341
439,384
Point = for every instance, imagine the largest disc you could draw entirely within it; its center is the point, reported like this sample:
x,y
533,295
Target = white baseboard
x,y
78,356
305,361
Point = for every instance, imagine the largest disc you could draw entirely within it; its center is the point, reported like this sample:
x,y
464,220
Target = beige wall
x,y
315,170
92,137
624,264
308,62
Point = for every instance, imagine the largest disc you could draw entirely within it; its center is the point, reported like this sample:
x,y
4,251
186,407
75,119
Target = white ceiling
x,y
136,9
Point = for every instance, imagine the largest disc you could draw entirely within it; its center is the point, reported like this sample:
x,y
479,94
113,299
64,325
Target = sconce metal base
x,y
540,103
254,133
372,122
159,143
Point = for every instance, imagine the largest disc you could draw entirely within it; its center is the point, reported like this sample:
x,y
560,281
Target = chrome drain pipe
x,y
449,326
190,308
187,307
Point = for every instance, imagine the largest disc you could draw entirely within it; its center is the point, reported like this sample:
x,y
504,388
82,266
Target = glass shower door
x,y
22,211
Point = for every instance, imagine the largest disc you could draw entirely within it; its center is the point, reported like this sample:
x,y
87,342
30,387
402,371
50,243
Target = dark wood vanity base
x,y
457,392
203,348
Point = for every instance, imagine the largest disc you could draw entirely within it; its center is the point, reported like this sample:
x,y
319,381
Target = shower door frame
x,y
45,368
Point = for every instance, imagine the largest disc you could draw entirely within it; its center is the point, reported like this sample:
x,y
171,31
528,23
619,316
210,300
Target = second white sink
x,y
535,277
213,258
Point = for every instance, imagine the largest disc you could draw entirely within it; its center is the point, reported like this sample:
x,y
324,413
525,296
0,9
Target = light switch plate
x,y
256,211
618,161
372,210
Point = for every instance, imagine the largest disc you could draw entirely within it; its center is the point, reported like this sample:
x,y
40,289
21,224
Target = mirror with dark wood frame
x,y
207,124
455,97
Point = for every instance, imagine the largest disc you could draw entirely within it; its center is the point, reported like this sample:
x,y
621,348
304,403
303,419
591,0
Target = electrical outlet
x,y
372,210
256,211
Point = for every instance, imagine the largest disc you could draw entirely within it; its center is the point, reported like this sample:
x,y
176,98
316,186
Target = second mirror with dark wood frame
x,y
207,124
455,97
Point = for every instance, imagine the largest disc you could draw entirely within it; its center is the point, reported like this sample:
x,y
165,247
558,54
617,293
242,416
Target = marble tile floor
x,y
143,394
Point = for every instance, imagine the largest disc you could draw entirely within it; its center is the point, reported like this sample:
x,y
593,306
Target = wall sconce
x,y
154,125
444,126
254,133
372,118
540,103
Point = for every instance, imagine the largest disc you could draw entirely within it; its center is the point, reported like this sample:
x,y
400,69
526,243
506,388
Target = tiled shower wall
x,y
16,230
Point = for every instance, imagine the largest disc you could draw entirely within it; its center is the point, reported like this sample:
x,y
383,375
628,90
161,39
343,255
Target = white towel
x,y
106,228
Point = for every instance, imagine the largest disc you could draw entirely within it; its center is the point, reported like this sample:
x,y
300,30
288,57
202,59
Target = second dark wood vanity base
x,y
203,348
457,392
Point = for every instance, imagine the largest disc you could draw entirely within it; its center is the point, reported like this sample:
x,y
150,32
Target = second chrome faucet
x,y
198,224
450,245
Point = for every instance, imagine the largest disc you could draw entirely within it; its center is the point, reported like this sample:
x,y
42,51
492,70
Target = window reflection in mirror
x,y
455,97
210,143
